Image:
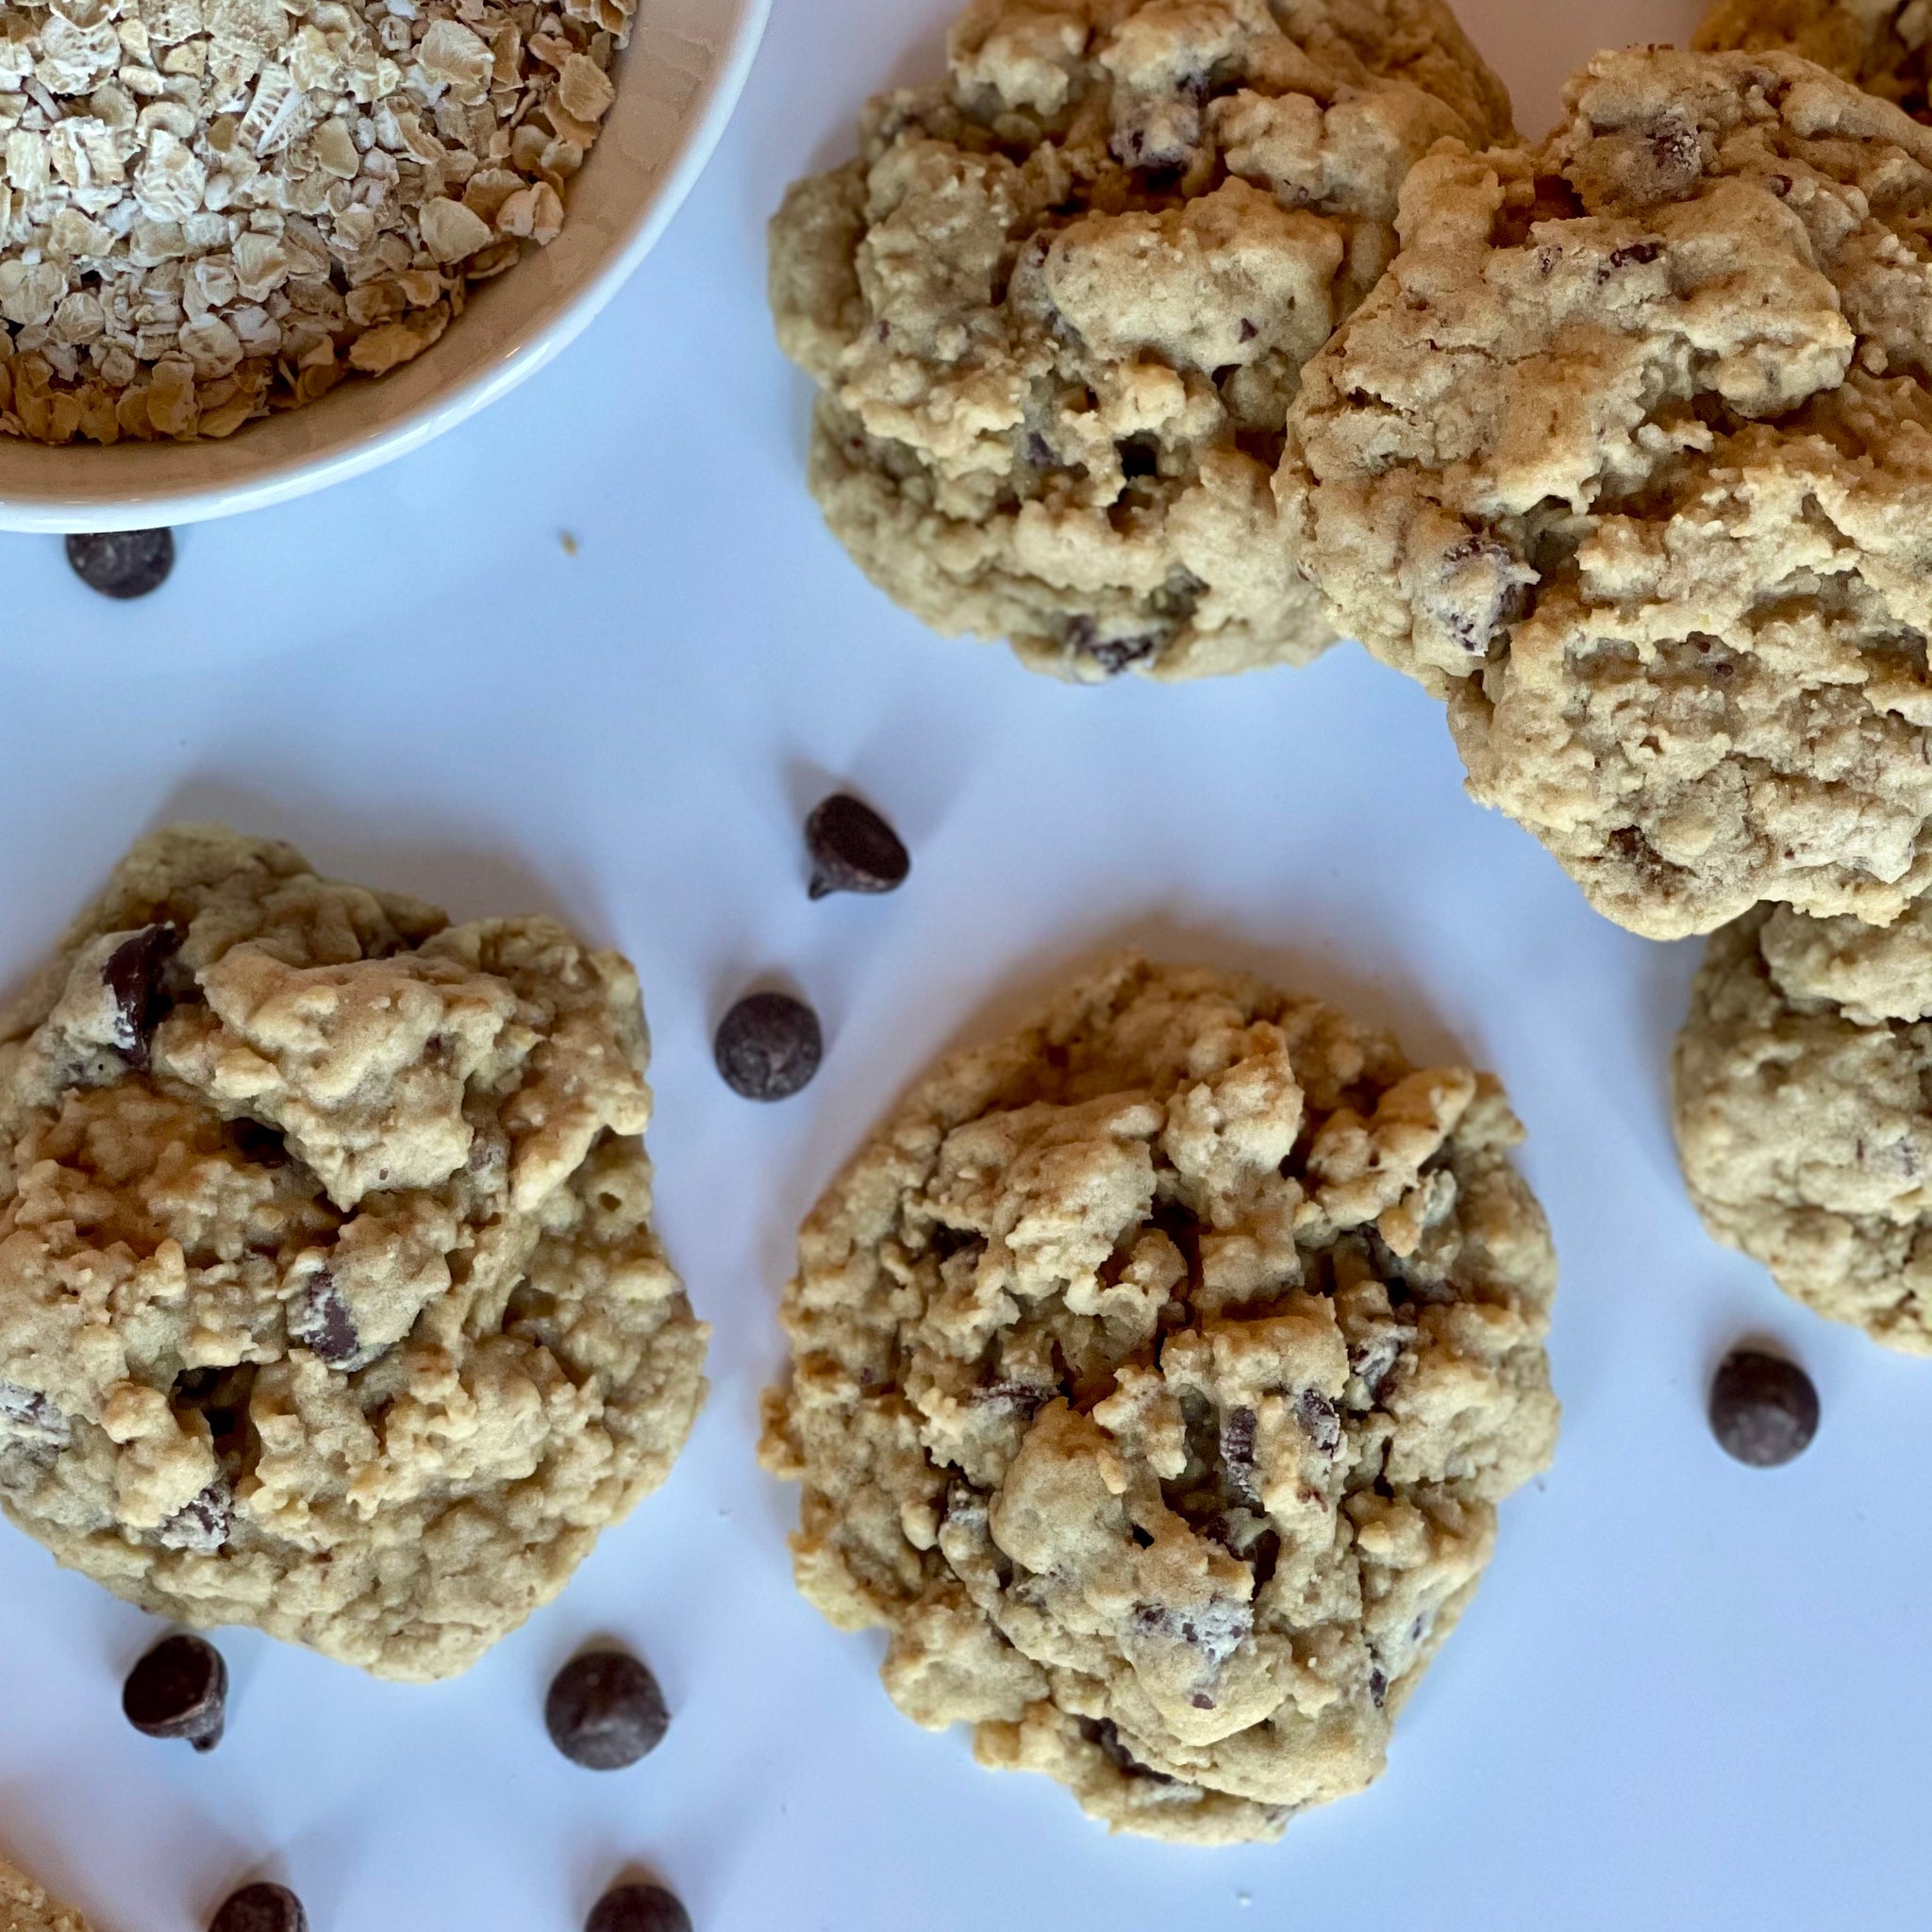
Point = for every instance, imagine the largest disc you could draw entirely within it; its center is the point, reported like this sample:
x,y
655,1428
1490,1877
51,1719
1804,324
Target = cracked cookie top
x,y
1057,306
1881,46
330,1301
1155,1374
1804,1111
1629,455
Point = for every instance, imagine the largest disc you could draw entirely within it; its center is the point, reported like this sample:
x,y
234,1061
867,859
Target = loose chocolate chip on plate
x,y
179,1689
1763,1408
123,563
260,1908
132,974
853,849
605,1711
769,1046
638,1909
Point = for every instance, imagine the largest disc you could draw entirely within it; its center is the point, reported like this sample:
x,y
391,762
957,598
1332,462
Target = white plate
x,y
678,83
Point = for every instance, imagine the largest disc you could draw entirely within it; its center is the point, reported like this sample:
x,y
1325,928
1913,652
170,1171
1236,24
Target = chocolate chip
x,y
28,1413
1480,592
769,1046
1763,1408
132,974
1317,1416
260,1908
605,1711
179,1689
1375,1356
853,849
123,563
1249,331
1101,1733
1237,1454
1635,254
202,1525
638,1909
1156,133
1215,1630
1017,1398
321,1320
1112,655
1378,1686
1676,150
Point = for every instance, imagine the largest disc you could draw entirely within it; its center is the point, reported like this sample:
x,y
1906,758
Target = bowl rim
x,y
60,510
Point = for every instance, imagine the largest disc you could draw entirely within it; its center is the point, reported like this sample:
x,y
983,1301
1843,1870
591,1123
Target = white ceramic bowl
x,y
679,80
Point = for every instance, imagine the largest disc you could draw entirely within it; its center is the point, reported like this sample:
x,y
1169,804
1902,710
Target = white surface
x,y
677,81
1688,1695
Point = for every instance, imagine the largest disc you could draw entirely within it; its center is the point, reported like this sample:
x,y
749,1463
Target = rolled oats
x,y
215,209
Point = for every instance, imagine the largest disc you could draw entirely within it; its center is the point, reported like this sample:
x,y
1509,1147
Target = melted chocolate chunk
x,y
853,849
321,1320
605,1711
178,1689
132,974
638,1909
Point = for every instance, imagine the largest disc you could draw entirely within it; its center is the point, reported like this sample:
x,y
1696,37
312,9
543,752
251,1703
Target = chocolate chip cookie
x,y
1882,46
1058,304
1803,1111
1156,1375
330,1301
25,1907
1630,457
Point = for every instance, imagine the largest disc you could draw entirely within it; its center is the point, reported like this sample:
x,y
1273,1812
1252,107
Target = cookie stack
x,y
1181,340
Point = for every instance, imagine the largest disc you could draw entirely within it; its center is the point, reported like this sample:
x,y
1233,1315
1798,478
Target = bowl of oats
x,y
252,247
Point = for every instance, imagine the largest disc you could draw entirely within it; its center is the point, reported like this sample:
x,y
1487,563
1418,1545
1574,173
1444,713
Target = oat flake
x,y
213,209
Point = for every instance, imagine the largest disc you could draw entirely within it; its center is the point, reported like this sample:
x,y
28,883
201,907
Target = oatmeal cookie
x,y
1057,306
25,1907
1880,44
1630,457
330,1301
1156,1375
1803,1111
